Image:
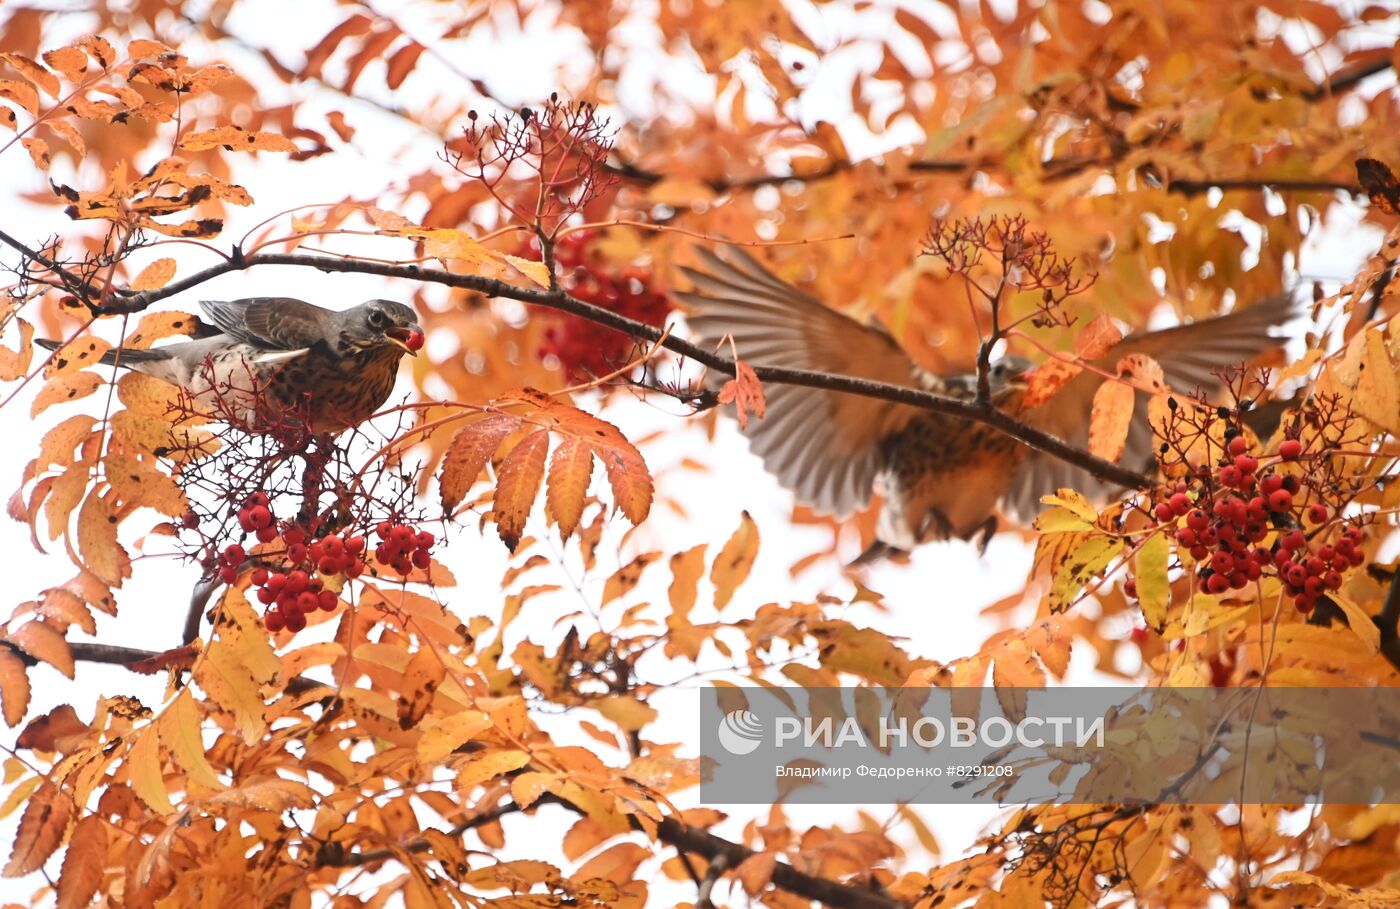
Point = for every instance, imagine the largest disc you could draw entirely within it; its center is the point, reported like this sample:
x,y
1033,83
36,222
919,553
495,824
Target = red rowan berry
x,y
1199,553
297,581
266,534
1291,484
265,596
1332,580
1197,520
1317,513
273,620
1296,575
1304,603
1164,512
1294,539
308,601
293,535
355,545
228,574
234,554
1186,537
1280,500
1290,449
295,621
1180,503
1246,464
1270,484
1230,475
327,600
1217,583
422,559
1238,445
1130,588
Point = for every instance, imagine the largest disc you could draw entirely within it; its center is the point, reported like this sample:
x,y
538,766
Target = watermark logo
x,y
740,732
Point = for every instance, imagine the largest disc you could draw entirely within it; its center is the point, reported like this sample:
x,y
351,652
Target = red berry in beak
x,y
414,341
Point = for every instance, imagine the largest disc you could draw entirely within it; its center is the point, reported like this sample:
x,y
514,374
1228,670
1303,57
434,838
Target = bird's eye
x,y
376,318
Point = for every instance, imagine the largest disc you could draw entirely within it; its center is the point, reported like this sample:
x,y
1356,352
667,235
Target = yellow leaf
x,y
1153,589
82,351
527,788
138,482
155,276
490,765
1074,569
627,712
143,771
229,685
1360,623
734,561
180,729
1377,395
537,272
445,734
1074,501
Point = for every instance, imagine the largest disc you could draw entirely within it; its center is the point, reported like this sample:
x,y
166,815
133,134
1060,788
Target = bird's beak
x,y
409,337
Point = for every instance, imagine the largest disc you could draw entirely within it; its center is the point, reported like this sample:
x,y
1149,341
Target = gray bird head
x,y
1009,371
383,323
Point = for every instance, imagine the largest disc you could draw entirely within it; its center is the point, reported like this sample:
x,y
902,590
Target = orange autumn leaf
x,y
517,485
1110,418
745,392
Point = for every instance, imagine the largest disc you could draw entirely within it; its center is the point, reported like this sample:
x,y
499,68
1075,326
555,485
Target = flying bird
x,y
265,359
940,476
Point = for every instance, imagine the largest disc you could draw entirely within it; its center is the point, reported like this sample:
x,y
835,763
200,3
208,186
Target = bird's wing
x,y
277,323
823,445
1187,355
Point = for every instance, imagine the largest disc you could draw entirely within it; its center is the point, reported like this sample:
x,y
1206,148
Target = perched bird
x,y
941,476
264,359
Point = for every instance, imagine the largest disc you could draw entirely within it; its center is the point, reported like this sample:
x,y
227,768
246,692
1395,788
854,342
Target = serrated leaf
x,y
41,829
1361,624
43,643
517,485
180,729
144,771
537,272
15,363
570,469
1072,571
468,455
83,863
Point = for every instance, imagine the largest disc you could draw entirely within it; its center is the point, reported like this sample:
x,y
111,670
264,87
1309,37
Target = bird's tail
x,y
120,356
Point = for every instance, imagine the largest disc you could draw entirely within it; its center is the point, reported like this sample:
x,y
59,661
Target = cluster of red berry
x,y
584,348
255,517
1229,516
403,548
290,597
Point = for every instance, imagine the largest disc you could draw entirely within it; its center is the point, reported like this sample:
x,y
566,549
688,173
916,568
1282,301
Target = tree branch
x,y
125,301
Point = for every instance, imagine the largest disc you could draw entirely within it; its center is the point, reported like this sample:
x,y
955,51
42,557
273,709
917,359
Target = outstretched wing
x,y
1187,354
823,445
277,323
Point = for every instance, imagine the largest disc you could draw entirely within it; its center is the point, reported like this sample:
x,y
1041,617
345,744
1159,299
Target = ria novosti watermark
x,y
1068,745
